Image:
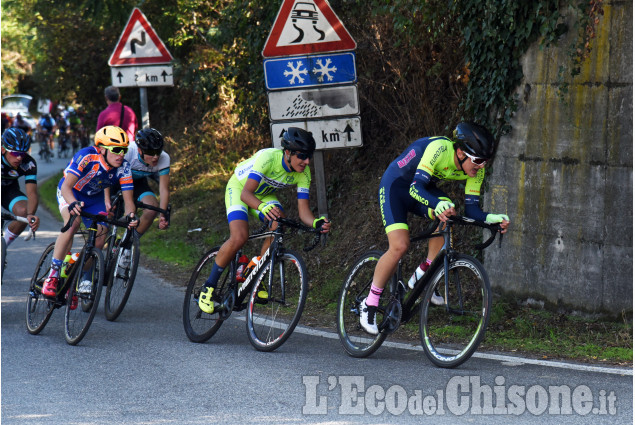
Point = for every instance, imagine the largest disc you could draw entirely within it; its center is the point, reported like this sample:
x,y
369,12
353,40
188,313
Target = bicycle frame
x,y
241,291
445,256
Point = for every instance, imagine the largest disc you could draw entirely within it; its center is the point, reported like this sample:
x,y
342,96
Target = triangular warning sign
x,y
306,27
139,44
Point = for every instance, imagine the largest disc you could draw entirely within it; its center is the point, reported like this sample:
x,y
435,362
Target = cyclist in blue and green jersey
x,y
409,185
252,189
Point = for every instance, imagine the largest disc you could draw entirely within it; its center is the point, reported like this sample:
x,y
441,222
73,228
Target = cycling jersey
x,y
11,192
27,168
409,182
268,168
47,124
94,175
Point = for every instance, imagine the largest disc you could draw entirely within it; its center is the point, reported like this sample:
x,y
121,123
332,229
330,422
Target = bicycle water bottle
x,y
250,266
242,262
69,260
418,274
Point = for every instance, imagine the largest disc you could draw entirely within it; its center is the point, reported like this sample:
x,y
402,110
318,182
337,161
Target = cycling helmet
x,y
298,140
474,139
149,139
15,139
111,135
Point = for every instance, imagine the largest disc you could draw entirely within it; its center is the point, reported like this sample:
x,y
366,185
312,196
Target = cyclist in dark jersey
x,y
16,163
409,185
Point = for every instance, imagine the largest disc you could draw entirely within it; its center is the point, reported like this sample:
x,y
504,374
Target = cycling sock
x,y
426,265
9,236
137,234
373,296
212,280
55,267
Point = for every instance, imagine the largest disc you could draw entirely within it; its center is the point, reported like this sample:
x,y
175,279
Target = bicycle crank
x,y
392,316
227,306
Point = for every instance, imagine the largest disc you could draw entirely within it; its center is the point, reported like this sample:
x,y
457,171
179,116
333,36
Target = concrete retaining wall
x,y
565,177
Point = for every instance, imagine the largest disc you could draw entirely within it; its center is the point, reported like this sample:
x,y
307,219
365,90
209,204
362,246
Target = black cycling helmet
x,y
298,140
149,139
15,139
474,139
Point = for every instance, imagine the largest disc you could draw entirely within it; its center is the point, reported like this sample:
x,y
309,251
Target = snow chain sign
x,y
310,75
311,81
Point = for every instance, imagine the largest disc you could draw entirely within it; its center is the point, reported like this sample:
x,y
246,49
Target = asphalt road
x,y
142,369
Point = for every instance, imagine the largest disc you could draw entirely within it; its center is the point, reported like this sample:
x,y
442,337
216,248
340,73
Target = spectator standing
x,y
117,114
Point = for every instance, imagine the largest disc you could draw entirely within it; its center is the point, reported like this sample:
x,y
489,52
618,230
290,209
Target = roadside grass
x,y
198,223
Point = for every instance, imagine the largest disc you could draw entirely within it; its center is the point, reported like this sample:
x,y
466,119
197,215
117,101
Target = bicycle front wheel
x,y
120,279
39,308
77,319
354,339
200,326
451,333
276,301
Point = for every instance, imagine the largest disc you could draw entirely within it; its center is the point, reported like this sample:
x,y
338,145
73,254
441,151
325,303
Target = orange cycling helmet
x,y
111,135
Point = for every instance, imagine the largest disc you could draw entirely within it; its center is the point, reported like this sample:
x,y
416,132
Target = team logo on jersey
x,y
14,173
409,156
437,154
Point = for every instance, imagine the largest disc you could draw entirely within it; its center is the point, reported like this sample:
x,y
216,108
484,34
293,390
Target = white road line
x,y
512,360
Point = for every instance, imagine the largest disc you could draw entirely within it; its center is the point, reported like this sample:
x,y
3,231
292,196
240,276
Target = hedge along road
x,y
142,369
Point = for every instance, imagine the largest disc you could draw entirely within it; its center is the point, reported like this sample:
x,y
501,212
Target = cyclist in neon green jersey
x,y
409,185
252,189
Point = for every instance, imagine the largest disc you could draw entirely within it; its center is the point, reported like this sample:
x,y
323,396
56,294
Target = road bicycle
x,y
30,234
64,145
449,333
81,310
120,275
45,150
281,272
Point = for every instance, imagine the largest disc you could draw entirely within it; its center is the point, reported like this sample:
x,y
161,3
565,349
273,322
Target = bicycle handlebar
x,y
299,226
10,217
458,219
98,217
140,204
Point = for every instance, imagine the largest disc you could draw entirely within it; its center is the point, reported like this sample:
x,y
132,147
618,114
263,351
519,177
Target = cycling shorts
x,y
395,203
141,189
11,194
92,204
237,209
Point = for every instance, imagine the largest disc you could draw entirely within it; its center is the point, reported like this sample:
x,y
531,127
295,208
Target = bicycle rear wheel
x,y
354,339
451,335
39,308
120,280
78,320
200,326
271,320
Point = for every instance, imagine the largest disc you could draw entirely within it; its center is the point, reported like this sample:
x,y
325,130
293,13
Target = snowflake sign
x,y
324,70
295,72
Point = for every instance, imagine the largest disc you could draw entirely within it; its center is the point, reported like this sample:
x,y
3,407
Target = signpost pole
x,y
145,114
320,183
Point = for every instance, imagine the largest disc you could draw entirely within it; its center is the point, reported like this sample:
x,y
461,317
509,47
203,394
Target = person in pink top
x,y
117,114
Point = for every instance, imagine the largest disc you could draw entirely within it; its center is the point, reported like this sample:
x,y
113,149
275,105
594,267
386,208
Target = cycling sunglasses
x,y
476,160
303,156
17,154
152,152
117,150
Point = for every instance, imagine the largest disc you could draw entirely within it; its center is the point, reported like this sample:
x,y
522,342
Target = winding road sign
x,y
139,44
